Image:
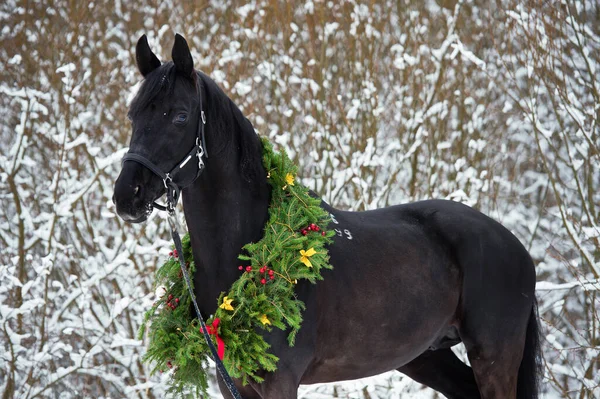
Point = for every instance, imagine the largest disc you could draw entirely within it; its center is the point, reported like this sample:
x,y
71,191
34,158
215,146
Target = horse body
x,y
398,291
392,293
408,281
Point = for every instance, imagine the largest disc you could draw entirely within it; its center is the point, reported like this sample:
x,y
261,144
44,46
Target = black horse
x,y
408,283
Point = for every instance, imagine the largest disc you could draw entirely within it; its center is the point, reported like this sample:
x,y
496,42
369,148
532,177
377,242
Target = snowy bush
x,y
492,104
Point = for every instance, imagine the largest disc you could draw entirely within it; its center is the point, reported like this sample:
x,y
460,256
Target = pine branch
x,y
261,299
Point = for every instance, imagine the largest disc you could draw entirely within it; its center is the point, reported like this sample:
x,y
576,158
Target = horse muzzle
x,y
134,193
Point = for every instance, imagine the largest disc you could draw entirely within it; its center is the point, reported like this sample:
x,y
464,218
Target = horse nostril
x,y
136,190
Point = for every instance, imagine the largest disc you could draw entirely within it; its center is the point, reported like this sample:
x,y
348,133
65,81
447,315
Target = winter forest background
x,y
494,104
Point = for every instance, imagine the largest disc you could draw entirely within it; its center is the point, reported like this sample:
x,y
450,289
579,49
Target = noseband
x,y
175,179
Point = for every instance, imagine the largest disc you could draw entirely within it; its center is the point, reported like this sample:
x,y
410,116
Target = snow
x,y
379,105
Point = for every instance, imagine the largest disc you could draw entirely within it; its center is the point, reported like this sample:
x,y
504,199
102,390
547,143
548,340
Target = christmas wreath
x,y
293,247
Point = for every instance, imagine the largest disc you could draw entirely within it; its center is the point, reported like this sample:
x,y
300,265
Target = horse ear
x,y
145,58
182,57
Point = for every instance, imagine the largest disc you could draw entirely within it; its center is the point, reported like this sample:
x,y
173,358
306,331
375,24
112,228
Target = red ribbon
x,y
213,330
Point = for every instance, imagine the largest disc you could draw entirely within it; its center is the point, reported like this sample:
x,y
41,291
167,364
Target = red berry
x,y
169,364
176,300
317,228
248,269
263,281
323,233
271,277
271,272
171,253
175,253
304,232
241,267
313,226
170,297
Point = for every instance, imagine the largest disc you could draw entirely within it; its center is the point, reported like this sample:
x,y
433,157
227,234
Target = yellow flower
x,y
289,179
265,320
305,255
226,304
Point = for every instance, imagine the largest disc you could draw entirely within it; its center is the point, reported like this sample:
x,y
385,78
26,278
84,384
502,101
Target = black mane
x,y
226,120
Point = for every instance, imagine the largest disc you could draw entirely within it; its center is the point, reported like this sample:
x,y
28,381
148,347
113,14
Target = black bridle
x,y
174,181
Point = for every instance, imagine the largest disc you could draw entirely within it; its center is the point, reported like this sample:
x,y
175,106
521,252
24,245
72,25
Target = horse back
x,y
483,250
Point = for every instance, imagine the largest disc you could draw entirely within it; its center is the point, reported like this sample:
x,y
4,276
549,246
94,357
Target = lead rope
x,y
174,225
220,366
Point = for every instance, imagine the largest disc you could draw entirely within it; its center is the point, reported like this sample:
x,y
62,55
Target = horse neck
x,y
223,213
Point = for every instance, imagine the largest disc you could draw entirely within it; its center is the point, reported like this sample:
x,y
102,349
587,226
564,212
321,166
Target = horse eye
x,y
180,118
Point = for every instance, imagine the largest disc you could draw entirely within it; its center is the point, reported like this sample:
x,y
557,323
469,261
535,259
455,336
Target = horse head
x,y
165,151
